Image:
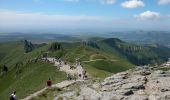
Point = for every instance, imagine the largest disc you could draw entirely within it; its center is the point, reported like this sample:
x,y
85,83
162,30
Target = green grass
x,y
110,66
10,47
95,72
111,51
13,53
81,52
97,56
32,78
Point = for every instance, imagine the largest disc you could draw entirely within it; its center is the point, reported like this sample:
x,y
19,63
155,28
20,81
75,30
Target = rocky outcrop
x,y
134,84
28,46
92,44
55,47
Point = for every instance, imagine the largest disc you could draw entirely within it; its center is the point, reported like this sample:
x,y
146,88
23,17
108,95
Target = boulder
x,y
138,97
129,92
135,86
125,92
145,73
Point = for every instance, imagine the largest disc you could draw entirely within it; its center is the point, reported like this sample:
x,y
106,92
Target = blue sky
x,y
84,15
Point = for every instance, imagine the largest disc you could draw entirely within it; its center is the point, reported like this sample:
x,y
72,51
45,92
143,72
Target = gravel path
x,y
65,68
58,85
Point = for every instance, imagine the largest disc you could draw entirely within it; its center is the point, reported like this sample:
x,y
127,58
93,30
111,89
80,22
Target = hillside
x,y
100,58
90,56
25,74
30,78
139,54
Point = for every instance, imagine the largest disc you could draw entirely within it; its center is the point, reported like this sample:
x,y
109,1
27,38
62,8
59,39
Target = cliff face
x,y
135,84
28,46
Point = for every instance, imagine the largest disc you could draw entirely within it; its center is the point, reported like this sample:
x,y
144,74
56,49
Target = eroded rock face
x,y
136,84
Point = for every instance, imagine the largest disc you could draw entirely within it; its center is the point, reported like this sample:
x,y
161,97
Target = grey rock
x,y
129,92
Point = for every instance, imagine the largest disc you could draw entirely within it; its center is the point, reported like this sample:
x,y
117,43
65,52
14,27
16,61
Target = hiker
x,y
75,77
79,75
5,68
49,83
84,75
68,76
13,96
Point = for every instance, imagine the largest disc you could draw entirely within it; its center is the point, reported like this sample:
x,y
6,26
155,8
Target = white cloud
x,y
148,15
13,20
132,4
163,2
21,17
108,1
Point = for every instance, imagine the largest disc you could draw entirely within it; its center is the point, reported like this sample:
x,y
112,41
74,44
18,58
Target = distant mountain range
x,y
144,37
38,38
138,37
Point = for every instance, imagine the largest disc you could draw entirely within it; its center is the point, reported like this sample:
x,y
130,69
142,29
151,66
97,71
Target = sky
x,y
84,15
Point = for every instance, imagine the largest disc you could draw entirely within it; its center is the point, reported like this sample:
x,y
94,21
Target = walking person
x,y
13,96
49,83
80,76
84,74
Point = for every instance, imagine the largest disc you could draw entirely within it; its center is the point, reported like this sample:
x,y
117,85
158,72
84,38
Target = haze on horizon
x,y
84,15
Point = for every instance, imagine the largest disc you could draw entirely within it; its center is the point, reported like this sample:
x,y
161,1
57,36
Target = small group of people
x,y
83,75
71,77
72,67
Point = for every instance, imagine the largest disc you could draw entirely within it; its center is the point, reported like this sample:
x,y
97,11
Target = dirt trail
x,y
58,85
67,68
98,60
62,67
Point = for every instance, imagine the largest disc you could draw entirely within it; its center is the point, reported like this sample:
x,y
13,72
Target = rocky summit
x,y
135,84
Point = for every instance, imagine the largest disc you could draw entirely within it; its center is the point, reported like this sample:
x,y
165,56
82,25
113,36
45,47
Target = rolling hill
x,y
100,58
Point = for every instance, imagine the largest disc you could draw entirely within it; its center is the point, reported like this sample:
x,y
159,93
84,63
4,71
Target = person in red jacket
x,y
49,82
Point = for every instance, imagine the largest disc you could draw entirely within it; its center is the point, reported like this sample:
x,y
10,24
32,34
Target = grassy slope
x,y
13,52
96,72
110,66
137,54
111,51
6,48
32,77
